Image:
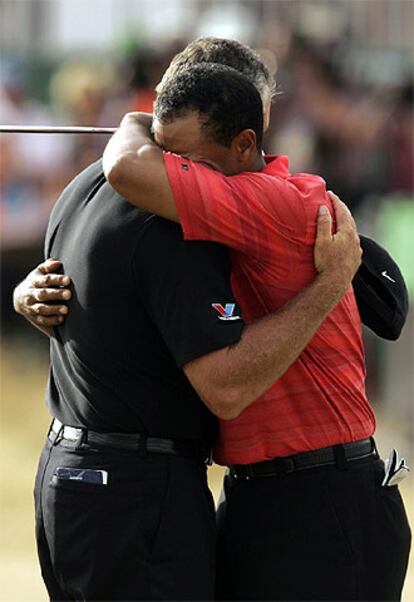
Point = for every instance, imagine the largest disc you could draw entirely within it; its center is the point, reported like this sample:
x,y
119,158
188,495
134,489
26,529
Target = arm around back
x,y
230,379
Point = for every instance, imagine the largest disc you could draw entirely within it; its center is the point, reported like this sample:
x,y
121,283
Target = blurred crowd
x,y
327,116
358,137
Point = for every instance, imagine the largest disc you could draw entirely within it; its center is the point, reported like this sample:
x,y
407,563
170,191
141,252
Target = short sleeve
x,y
249,212
185,287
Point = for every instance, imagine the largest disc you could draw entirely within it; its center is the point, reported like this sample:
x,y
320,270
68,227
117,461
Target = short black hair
x,y
225,99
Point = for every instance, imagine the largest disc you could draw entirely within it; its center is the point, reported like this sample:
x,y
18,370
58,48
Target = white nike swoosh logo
x,y
384,273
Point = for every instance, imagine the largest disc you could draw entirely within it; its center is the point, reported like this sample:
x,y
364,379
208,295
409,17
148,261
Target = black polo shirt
x,y
142,307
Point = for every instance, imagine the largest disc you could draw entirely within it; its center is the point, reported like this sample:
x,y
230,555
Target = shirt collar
x,y
276,165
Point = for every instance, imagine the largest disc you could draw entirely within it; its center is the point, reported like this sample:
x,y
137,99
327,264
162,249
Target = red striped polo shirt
x,y
268,220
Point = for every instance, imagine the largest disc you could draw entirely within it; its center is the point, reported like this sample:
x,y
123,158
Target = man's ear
x,y
244,144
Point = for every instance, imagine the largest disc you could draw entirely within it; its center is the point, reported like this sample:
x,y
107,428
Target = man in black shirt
x,y
107,505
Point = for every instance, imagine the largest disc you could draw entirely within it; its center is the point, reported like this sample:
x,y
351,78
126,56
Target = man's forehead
x,y
179,129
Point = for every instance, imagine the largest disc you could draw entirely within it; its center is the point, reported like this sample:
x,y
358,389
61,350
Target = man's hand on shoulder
x,y
33,296
337,255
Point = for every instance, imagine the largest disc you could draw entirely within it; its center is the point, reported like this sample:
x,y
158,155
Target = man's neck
x,y
259,162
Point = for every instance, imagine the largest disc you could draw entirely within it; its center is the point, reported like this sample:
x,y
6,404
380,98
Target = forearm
x,y
132,135
121,155
267,348
134,166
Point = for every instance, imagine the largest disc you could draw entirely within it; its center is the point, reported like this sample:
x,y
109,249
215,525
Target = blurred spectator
x,y
398,136
144,69
356,138
30,164
82,90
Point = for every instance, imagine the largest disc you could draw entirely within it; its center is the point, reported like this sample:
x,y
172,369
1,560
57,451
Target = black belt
x,y
338,455
128,441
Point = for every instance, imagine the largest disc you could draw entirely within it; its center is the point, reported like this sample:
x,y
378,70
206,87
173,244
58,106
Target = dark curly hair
x,y
226,101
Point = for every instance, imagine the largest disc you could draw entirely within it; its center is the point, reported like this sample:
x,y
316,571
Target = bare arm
x,y
133,164
230,379
32,296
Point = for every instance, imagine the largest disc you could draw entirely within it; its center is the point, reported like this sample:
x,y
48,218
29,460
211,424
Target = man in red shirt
x,y
309,433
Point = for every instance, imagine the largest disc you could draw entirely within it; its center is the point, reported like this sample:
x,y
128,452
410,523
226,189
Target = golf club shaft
x,y
65,129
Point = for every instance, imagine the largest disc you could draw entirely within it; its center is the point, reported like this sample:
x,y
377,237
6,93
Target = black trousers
x,y
317,534
148,535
